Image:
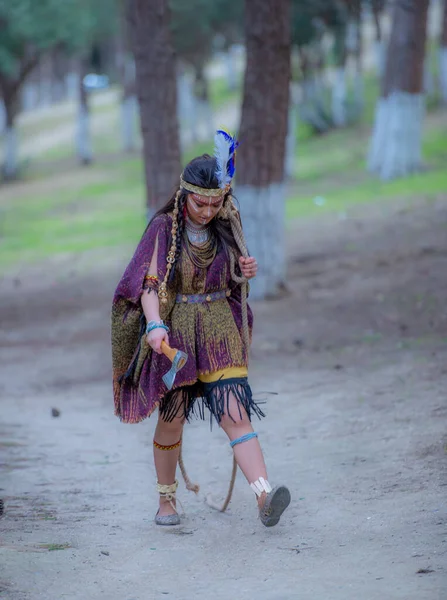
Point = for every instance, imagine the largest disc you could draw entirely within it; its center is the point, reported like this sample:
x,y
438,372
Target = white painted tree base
x,y
380,51
187,108
429,79
72,85
443,73
206,117
339,98
263,219
230,67
359,94
128,123
10,163
83,138
2,116
395,149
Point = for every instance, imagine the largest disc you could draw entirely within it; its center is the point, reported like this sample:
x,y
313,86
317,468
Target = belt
x,y
202,298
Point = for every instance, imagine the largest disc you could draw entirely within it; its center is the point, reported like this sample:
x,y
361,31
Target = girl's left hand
x,y
249,267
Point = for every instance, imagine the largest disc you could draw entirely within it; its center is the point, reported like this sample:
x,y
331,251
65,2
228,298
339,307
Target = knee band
x,y
243,438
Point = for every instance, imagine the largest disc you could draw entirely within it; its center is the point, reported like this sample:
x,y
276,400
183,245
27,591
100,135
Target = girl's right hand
x,y
155,338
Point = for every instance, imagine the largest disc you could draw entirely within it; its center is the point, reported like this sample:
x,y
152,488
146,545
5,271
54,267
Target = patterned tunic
x,y
210,333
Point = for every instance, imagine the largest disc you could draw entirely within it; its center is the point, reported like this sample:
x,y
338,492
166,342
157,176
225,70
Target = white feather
x,y
222,155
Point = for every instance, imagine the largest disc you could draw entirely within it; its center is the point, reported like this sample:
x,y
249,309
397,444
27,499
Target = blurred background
x,y
341,110
69,107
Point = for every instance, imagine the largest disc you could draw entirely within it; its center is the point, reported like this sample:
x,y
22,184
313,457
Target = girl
x,y
186,287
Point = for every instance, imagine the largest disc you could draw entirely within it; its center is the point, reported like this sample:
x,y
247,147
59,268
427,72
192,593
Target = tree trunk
x,y
443,57
45,76
10,167
201,90
359,87
83,137
187,108
2,116
261,187
125,65
128,104
156,83
396,141
339,87
231,69
377,8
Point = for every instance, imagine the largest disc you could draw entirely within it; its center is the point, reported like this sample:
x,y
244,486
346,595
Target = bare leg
x,y
248,455
167,434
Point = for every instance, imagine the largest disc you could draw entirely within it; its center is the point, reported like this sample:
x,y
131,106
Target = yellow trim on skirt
x,y
231,373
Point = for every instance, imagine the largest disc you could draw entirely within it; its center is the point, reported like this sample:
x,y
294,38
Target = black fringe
x,y
192,400
180,402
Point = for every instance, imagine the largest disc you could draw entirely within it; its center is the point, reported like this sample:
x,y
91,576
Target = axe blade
x,y
178,363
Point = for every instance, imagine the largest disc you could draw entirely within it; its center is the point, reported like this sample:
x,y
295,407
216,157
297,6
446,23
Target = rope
x,y
236,227
192,487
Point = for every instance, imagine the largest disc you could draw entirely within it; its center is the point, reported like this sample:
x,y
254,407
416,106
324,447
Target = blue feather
x,y
224,151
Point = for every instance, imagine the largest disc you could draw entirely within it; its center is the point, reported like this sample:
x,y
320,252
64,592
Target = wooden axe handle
x,y
168,351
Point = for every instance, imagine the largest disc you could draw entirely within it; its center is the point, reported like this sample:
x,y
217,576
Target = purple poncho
x,y
210,333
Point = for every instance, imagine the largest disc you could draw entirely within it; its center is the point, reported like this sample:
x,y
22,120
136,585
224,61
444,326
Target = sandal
x,y
276,501
168,492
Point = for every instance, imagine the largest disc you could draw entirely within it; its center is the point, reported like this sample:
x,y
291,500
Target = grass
x,y
102,206
221,95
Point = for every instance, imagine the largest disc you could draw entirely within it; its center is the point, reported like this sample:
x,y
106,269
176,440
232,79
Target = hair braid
x,y
172,254
180,230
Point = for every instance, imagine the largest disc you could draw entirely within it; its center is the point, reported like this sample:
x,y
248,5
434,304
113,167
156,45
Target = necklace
x,y
201,255
196,235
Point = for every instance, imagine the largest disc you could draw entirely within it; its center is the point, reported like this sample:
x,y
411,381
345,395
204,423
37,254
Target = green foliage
x,y
196,23
191,28
52,215
29,28
311,17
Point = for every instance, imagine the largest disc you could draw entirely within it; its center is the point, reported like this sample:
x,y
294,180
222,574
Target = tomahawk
x,y
178,359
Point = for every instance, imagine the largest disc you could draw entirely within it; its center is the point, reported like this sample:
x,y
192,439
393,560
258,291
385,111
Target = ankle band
x,y
243,438
260,486
167,490
171,447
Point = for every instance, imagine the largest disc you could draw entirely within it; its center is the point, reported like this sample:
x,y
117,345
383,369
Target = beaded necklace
x,y
200,245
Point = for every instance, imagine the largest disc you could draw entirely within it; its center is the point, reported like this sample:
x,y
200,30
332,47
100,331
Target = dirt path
x,y
357,353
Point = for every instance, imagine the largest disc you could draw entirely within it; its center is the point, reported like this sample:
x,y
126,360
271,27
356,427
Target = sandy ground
x,y
356,351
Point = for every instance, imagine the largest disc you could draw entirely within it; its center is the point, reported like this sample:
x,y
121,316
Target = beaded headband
x,y
203,191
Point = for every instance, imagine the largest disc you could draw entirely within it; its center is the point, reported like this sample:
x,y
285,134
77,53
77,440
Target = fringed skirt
x,y
214,392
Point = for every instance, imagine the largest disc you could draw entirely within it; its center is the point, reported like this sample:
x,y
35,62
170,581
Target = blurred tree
x,y
200,27
396,141
314,25
102,22
29,31
151,38
126,70
193,35
443,56
227,17
308,26
84,145
377,8
261,157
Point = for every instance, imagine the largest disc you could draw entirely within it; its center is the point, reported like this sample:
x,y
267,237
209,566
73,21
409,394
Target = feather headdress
x,y
225,153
